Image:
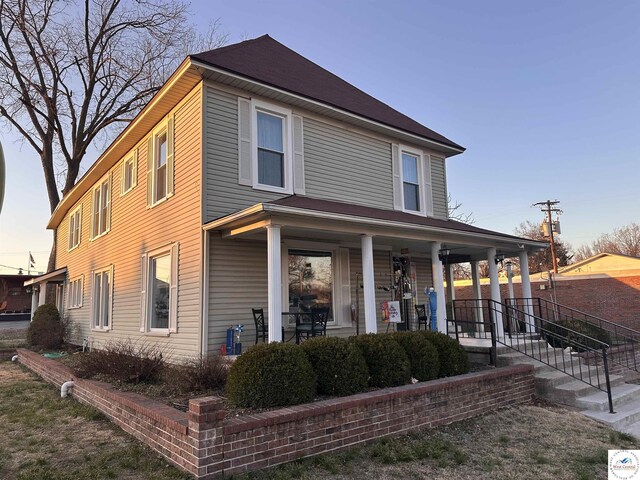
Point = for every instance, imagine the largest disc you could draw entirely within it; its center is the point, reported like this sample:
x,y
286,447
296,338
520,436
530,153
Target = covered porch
x,y
297,252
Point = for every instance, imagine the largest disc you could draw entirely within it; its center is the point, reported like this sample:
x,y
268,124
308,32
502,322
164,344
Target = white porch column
x,y
35,294
495,291
477,295
438,284
368,282
42,299
526,288
274,274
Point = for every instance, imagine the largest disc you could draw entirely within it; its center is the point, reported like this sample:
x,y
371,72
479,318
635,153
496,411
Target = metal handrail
x,y
624,338
530,346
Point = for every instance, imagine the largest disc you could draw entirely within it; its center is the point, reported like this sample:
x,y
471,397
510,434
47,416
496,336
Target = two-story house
x,y
255,178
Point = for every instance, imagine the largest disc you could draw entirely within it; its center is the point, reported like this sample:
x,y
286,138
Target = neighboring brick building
x,y
15,298
605,285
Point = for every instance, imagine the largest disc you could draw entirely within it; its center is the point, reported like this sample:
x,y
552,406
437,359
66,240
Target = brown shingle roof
x,y
340,208
268,61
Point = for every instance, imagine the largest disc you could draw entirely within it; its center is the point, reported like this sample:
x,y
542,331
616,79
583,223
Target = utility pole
x,y
548,207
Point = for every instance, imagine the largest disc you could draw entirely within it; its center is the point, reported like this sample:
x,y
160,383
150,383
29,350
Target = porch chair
x,y
423,318
317,326
262,327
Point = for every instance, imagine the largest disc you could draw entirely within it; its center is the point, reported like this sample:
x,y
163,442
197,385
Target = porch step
x,y
621,395
570,392
565,362
626,418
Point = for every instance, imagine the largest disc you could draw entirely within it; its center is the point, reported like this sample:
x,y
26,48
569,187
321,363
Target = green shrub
x,y
124,361
47,329
453,358
388,363
566,333
271,375
200,374
423,355
339,365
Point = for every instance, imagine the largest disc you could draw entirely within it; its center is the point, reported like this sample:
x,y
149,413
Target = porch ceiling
x,y
396,231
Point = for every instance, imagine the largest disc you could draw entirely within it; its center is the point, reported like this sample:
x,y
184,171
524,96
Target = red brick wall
x,y
614,299
208,445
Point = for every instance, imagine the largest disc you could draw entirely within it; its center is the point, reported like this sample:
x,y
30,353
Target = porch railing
x,y
624,341
476,317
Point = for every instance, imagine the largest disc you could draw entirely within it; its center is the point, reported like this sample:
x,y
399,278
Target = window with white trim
x,y
74,293
101,298
411,191
129,173
160,163
101,211
270,147
75,228
159,292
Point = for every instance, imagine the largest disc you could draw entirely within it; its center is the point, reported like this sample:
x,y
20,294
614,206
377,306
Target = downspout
x,y
14,358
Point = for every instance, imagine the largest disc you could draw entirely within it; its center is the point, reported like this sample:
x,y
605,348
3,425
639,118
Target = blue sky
x,y
544,95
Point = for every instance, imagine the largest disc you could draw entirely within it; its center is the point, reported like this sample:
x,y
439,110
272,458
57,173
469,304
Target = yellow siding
x,y
136,229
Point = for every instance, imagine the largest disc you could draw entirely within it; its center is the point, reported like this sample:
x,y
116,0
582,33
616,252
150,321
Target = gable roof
x,y
629,261
265,60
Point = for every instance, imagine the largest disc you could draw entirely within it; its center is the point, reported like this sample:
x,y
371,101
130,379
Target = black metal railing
x,y
624,341
527,342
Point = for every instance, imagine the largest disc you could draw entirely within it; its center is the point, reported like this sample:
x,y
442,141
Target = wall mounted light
x,y
443,253
499,258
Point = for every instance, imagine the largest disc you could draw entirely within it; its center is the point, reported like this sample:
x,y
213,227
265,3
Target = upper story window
x,y
129,173
271,153
410,182
75,228
412,192
101,211
160,164
270,147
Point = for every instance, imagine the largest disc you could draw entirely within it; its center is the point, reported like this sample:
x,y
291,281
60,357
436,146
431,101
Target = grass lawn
x,y
49,438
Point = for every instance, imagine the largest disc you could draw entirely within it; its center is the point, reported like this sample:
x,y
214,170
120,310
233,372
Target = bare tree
x,y
624,240
72,71
455,212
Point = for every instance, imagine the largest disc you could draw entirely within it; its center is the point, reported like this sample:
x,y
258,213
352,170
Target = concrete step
x,y
633,429
621,395
534,345
568,393
626,417
564,362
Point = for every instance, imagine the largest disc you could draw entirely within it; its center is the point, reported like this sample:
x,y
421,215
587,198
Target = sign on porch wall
x,y
391,312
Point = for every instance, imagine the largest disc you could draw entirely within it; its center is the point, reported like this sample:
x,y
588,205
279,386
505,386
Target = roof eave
x,y
393,131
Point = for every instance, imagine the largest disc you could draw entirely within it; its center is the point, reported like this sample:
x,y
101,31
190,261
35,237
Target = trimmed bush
x,y
271,375
453,358
46,330
566,333
388,363
128,362
423,355
339,365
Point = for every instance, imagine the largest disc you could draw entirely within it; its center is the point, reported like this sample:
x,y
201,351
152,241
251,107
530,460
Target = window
x,y
271,163
101,298
410,182
74,299
412,189
129,173
160,167
101,213
270,147
75,228
160,289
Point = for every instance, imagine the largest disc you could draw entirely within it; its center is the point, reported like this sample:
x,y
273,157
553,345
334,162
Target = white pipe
x,y
64,390
14,358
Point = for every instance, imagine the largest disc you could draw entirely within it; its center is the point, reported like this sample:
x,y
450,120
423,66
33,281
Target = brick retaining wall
x,y
206,444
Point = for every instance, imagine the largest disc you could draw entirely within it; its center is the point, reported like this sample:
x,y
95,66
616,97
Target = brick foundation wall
x,y
206,444
614,299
